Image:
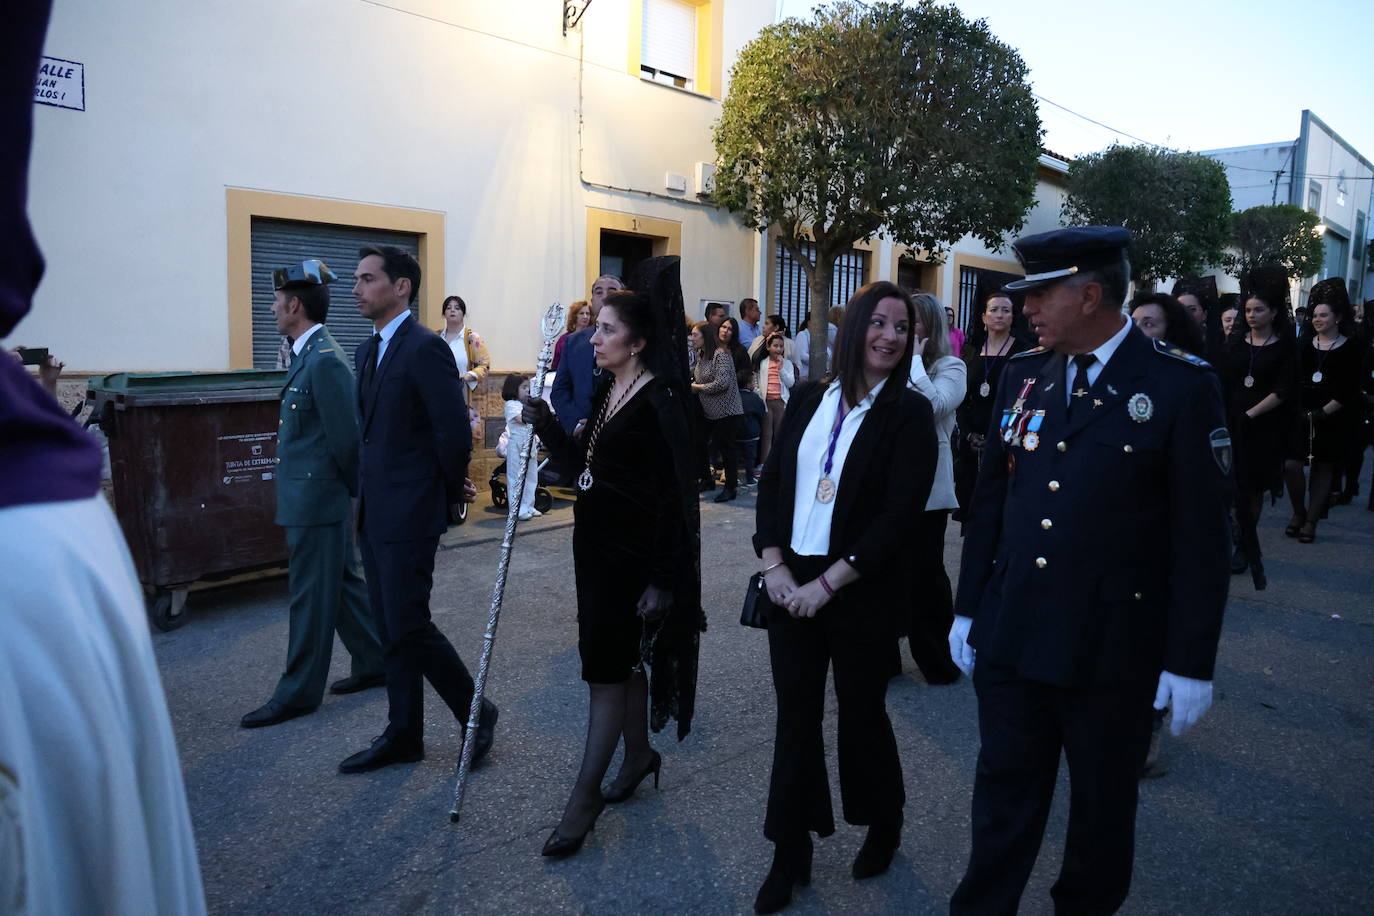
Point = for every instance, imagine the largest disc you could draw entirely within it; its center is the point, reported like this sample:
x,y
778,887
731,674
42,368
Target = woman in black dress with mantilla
x,y
635,553
1258,371
1329,368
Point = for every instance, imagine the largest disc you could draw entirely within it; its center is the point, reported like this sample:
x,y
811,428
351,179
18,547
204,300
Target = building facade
x,y
1322,173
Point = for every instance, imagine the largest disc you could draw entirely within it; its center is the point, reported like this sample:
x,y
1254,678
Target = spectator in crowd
x,y
774,324
93,815
775,375
942,379
717,388
575,382
515,390
1162,317
801,348
956,336
1228,319
850,469
1328,424
635,555
749,329
579,316
728,334
469,351
715,314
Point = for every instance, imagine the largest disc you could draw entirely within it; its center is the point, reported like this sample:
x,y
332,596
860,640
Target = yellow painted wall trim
x,y
922,257
666,235
710,22
974,260
635,40
242,205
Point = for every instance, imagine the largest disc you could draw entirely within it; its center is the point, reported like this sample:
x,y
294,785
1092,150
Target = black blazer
x,y
1099,556
883,489
416,440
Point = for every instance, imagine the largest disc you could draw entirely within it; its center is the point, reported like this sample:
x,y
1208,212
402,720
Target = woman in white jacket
x,y
943,379
774,376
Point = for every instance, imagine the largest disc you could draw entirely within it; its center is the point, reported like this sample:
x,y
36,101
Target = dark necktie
x,y
370,367
1079,389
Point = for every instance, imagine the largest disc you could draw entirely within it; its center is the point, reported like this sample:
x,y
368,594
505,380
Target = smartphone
x,y
33,356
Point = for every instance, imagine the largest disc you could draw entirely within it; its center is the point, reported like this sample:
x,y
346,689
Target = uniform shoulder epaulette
x,y
1168,349
1033,351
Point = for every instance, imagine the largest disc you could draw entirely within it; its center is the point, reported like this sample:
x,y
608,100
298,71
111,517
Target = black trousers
x,y
857,641
399,578
1104,734
932,604
724,439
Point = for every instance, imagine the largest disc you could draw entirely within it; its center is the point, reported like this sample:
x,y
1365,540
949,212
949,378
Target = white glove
x,y
959,649
1189,697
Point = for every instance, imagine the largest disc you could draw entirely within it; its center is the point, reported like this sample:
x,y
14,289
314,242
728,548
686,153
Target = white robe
x,y
93,814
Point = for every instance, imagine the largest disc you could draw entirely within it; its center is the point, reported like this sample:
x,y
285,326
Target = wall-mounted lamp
x,y
1319,229
573,11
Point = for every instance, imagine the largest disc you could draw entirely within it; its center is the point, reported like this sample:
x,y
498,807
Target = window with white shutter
x,y
668,48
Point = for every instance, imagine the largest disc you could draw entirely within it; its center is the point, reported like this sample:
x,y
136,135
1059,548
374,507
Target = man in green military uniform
x,y
317,480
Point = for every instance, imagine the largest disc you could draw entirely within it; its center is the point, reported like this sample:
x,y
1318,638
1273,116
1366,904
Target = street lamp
x,y
573,11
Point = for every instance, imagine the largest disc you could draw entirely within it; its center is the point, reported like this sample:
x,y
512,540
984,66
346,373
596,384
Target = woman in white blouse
x,y
850,469
469,350
943,379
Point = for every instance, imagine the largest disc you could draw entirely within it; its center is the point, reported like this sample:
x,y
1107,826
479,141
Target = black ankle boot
x,y
875,855
791,866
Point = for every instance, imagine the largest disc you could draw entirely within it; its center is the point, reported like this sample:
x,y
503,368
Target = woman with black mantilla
x,y
990,344
635,551
1257,368
840,494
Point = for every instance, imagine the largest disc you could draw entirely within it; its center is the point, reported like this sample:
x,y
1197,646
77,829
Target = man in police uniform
x,y
1094,573
317,479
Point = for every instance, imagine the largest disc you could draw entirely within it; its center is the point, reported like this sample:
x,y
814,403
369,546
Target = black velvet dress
x,y
1260,444
1332,438
632,529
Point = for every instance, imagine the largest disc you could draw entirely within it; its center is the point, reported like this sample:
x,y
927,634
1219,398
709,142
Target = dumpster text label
x,y
247,457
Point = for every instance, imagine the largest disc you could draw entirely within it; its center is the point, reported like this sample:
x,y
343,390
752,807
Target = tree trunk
x,y
818,327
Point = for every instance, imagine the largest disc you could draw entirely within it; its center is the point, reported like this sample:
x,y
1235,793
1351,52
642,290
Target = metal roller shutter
x,y
280,243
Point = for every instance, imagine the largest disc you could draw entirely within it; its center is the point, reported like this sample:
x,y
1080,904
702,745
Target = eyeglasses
x,y
311,270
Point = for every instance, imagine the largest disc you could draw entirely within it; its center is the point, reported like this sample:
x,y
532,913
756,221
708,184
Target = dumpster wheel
x,y
168,609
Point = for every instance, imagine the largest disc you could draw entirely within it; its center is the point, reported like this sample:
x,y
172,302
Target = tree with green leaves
x,y
905,120
1177,206
1280,235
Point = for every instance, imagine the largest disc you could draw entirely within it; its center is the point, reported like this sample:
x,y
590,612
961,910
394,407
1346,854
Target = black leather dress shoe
x,y
272,712
358,682
384,752
486,731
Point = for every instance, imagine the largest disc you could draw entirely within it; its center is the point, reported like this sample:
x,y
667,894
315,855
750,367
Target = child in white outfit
x,y
512,444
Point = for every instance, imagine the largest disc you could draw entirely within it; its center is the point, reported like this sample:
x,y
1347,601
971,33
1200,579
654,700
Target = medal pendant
x,y
825,490
1249,381
584,480
1317,377
1031,441
984,390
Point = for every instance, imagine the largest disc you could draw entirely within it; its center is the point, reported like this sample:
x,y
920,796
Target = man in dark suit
x,y
415,448
317,479
1094,573
575,382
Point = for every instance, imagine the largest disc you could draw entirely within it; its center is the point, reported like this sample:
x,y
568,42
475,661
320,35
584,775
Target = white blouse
x,y
811,517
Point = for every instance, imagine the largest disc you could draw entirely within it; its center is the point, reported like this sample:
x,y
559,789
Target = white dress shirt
x,y
388,332
299,343
811,517
1103,353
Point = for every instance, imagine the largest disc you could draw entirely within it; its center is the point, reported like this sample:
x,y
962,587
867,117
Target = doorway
x,y
621,252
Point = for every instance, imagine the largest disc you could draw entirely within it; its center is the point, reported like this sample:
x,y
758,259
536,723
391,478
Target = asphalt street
x,y
1265,808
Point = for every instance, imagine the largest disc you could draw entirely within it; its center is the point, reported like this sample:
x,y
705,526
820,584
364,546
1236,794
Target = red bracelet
x,y
826,585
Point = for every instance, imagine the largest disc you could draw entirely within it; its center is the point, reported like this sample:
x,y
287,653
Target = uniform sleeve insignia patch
x,y
1220,439
1034,351
1167,349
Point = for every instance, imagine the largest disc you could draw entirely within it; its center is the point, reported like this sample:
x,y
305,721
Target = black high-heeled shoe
x,y
791,867
875,855
560,847
619,795
1295,524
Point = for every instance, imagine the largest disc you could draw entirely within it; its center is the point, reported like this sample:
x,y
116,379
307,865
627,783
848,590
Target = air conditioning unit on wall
x,y
705,175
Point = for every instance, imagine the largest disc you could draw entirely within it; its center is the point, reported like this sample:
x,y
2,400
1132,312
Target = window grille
x,y
792,295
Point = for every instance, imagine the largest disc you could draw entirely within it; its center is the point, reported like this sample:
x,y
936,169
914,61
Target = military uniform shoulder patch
x,y
1168,349
1034,351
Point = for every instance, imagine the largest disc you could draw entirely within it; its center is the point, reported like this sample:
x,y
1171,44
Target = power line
x,y
1098,123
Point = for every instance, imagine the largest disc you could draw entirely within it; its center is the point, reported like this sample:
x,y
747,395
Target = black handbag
x,y
756,604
